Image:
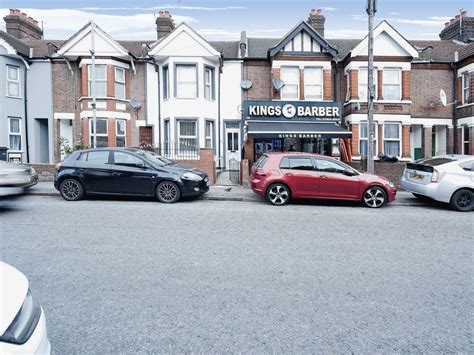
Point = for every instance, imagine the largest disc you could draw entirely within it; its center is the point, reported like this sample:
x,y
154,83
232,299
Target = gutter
x,y
455,118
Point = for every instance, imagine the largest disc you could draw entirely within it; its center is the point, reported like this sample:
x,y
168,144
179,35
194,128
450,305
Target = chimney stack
x,y
316,20
21,26
460,28
164,24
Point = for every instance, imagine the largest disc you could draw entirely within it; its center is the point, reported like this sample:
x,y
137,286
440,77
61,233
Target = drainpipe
x,y
455,94
26,117
218,145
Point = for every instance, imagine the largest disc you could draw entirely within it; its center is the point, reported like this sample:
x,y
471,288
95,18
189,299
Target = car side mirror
x,y
140,165
349,172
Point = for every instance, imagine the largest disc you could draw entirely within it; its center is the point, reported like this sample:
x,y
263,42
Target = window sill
x,y
379,102
14,97
103,98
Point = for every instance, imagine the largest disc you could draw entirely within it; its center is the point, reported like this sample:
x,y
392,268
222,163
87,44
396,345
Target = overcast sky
x,y
224,19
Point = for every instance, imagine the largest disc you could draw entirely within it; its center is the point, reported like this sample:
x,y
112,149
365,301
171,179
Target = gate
x,y
234,171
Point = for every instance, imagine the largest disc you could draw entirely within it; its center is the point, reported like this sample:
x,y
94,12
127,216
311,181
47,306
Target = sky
x,y
225,19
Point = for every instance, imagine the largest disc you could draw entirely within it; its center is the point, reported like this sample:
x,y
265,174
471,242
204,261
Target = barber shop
x,y
278,126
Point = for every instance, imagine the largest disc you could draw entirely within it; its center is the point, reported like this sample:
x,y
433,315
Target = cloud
x,y
62,23
345,34
165,7
420,22
328,8
394,13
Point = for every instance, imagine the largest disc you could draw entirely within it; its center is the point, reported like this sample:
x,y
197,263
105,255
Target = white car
x,y
22,320
448,178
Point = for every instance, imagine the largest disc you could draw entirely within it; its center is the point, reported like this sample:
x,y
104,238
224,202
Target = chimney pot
x,y
24,15
457,17
316,20
31,19
446,24
451,21
463,13
164,24
22,26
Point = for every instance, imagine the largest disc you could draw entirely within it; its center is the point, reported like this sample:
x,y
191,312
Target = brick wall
x,y
392,171
259,73
355,139
301,83
45,171
327,85
405,85
354,74
380,85
406,151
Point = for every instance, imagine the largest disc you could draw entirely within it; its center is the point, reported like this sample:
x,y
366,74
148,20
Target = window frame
x,y
465,87
176,83
10,133
399,85
376,138
124,135
464,129
211,84
315,163
282,68
91,126
212,137
366,85
117,82
12,81
165,70
97,80
399,139
321,98
179,136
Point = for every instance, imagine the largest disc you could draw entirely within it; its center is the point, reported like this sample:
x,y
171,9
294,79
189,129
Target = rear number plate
x,y
416,176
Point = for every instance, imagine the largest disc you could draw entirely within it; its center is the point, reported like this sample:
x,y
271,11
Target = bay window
x,y
363,83
465,88
120,83
209,83
392,88
14,133
120,133
291,77
364,139
187,135
186,81
100,80
313,83
102,136
13,81
392,139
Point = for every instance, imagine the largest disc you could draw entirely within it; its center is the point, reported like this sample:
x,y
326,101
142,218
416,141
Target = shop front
x,y
277,126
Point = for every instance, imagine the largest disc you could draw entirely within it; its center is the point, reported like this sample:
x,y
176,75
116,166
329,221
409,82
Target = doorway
x,y
232,143
42,144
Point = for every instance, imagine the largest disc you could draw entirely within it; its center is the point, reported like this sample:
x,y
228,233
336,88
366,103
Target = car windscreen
x,y
154,158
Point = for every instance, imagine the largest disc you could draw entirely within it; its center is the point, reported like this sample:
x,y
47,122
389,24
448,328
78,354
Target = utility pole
x,y
94,112
371,10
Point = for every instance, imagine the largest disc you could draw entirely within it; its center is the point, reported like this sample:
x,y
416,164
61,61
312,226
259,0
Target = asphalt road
x,y
124,276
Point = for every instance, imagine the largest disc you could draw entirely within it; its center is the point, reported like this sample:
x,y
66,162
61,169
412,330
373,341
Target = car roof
x,y
295,154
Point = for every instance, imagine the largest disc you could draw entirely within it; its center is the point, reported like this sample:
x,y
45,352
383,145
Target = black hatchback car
x,y
127,171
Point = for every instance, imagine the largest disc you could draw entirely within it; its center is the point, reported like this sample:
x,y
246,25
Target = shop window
x,y
166,82
392,139
13,81
186,81
465,88
120,83
120,133
291,77
14,133
363,83
364,139
465,139
210,134
100,80
102,136
187,135
392,88
209,83
313,83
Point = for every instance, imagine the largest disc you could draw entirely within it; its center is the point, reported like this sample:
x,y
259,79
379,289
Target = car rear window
x,y
436,161
99,157
261,161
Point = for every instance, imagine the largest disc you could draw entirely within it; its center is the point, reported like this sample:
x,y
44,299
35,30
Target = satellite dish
x,y
443,98
246,84
278,84
135,104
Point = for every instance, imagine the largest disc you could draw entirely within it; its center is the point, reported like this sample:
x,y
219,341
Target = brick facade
x,y
354,77
259,72
406,149
405,85
327,85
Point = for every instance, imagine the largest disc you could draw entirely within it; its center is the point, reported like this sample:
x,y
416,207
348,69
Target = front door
x,y
232,145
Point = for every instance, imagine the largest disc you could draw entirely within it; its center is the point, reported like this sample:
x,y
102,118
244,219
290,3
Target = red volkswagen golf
x,y
283,176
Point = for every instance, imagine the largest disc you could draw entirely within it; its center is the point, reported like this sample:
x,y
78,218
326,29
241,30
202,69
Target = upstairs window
x,y
186,81
392,88
13,81
313,83
100,80
120,83
209,83
465,88
363,84
291,77
166,82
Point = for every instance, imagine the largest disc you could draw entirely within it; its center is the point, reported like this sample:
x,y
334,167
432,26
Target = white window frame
x,y
211,137
124,135
91,126
120,83
399,139
347,94
13,81
376,137
464,128
194,82
321,98
180,136
209,84
286,84
97,80
10,133
165,70
465,87
366,85
399,70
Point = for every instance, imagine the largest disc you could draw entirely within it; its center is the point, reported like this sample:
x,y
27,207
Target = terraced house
x,y
230,100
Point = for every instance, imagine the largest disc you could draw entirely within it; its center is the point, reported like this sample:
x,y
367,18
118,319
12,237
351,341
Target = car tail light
x,y
436,176
58,166
260,172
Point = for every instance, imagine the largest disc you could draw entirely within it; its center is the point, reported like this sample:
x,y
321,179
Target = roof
x,y
443,50
229,49
258,47
16,43
467,51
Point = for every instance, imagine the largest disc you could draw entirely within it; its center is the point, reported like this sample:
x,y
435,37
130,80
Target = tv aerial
x,y
135,104
443,100
278,84
246,84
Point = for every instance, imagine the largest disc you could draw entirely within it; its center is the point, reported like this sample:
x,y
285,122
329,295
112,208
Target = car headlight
x,y
391,184
24,323
32,170
191,176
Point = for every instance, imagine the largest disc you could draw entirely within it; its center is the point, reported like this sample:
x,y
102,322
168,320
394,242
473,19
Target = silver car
x,y
448,178
14,178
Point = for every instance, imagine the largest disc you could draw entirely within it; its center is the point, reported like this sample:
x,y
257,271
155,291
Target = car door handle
x,y
288,174
116,173
323,176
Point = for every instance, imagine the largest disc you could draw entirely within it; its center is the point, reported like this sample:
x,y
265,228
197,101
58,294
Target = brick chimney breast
x,y
164,24
317,20
21,26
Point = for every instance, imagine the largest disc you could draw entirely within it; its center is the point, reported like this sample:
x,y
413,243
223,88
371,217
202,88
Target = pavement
x,y
230,193
121,276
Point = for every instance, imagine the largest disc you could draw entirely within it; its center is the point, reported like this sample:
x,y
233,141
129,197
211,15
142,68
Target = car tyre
x,y
374,197
463,200
168,192
71,190
278,194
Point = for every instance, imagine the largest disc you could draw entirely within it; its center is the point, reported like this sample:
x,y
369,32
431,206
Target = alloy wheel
x,y
71,190
278,195
374,197
464,199
168,192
